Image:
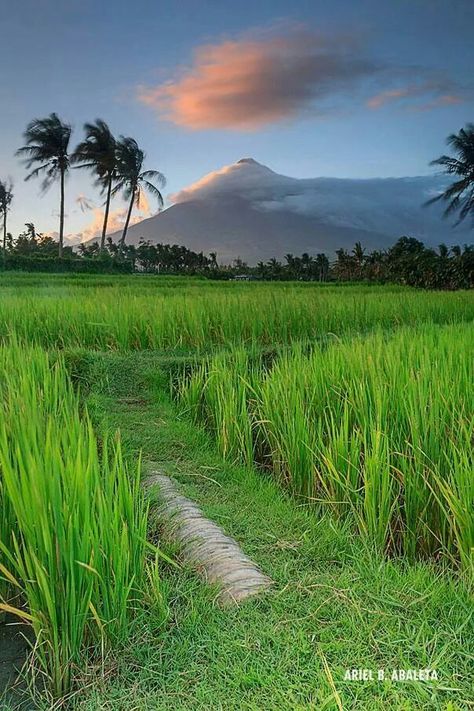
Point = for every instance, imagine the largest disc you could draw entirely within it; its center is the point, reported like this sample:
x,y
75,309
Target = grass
x,y
378,426
335,605
74,560
164,313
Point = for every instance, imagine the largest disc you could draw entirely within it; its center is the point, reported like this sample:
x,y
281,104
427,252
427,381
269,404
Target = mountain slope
x,y
246,210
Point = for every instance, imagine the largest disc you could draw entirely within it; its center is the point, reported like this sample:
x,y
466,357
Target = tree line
x,y
407,262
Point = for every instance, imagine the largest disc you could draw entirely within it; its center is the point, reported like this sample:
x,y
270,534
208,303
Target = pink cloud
x,y
419,97
443,100
253,81
115,223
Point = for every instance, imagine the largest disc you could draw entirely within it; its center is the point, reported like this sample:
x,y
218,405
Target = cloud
x,y
115,223
270,76
246,178
376,205
443,100
253,81
421,96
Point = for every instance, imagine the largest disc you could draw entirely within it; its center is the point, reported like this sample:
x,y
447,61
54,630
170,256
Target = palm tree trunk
x,y
106,215
61,216
129,214
4,237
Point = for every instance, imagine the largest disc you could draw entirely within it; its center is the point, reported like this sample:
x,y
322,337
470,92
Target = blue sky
x,y
349,89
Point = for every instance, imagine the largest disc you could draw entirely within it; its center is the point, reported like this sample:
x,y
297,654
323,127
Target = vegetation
x,y
116,164
47,148
460,194
98,153
142,313
380,577
407,262
335,605
378,427
73,550
338,451
6,197
133,180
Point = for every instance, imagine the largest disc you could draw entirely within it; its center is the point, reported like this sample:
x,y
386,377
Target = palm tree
x,y
31,230
459,195
306,262
6,197
359,253
322,264
275,267
98,153
132,179
47,143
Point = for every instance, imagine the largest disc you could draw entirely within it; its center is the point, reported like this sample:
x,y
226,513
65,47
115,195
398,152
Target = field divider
x,y
216,557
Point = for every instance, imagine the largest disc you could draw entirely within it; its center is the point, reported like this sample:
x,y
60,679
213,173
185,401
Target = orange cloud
x,y
114,224
384,97
443,100
248,83
434,92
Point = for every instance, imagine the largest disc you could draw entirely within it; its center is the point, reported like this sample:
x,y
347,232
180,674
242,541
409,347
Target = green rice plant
x,y
221,392
7,529
379,427
78,550
159,313
454,493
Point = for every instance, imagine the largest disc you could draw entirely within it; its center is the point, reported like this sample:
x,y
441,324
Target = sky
x,y
347,88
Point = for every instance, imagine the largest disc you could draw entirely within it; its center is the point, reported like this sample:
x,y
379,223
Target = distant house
x,y
244,277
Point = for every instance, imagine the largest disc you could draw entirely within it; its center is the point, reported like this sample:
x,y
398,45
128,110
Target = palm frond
x,y
156,176
461,165
47,143
37,171
153,190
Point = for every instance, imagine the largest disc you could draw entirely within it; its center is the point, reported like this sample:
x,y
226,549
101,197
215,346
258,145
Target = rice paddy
x,y
73,547
145,313
355,402
379,426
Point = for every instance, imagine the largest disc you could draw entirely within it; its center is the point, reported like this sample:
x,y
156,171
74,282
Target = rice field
x,y
144,313
357,400
378,427
73,551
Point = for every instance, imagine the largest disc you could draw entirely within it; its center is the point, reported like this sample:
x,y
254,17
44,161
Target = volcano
x,y
246,210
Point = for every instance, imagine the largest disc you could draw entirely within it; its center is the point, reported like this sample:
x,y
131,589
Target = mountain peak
x,y
250,161
251,164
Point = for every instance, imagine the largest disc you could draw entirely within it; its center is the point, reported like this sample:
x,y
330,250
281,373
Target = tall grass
x,y
379,427
149,313
73,566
